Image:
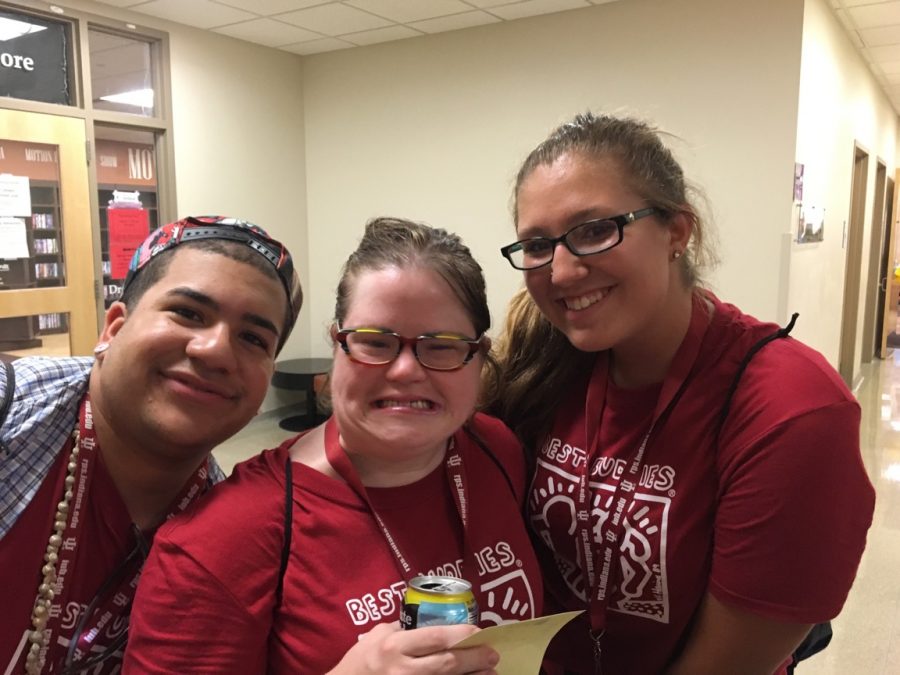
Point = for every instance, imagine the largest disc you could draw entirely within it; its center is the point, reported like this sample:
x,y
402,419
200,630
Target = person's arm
x,y
185,621
794,507
726,639
389,650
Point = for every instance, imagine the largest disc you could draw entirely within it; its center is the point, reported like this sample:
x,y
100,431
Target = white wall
x,y
840,103
434,128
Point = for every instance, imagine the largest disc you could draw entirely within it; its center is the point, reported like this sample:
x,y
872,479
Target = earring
x,y
100,348
676,255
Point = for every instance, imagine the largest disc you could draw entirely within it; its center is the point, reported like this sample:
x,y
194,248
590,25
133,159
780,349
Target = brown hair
x,y
396,242
537,361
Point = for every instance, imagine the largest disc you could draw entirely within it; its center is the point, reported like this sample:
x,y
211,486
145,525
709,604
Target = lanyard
x,y
456,477
115,606
604,552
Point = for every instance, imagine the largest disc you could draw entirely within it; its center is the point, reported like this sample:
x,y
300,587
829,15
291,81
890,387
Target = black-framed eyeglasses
x,y
377,347
594,236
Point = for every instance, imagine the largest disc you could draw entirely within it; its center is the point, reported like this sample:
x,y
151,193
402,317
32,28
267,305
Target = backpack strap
x,y
820,634
9,391
8,394
780,333
288,527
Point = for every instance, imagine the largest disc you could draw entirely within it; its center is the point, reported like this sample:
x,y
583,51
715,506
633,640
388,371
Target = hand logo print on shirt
x,y
640,585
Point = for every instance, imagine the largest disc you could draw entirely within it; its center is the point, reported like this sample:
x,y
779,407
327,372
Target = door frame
x,y
874,301
78,298
889,306
853,240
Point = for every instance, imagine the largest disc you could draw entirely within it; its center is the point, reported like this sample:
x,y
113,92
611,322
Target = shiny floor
x,y
867,633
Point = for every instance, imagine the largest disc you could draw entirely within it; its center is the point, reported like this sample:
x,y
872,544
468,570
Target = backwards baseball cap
x,y
195,228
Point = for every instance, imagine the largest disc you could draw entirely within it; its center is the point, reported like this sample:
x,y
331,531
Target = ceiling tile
x,y
122,3
484,4
871,16
270,7
371,37
199,13
521,10
893,78
405,11
889,67
455,22
885,53
334,19
883,35
317,46
268,32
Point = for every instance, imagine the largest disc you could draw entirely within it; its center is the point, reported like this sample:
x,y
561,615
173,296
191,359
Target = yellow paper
x,y
521,645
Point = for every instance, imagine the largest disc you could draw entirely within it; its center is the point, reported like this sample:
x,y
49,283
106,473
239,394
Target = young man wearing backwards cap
x,y
96,452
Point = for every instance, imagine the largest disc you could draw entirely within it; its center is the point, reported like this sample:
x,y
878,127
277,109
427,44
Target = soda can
x,y
438,601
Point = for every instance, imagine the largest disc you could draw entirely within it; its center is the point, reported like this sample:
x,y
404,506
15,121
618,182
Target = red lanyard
x,y
603,550
118,600
456,477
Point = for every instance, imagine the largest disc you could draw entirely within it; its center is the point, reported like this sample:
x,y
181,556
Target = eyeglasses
x,y
376,347
594,236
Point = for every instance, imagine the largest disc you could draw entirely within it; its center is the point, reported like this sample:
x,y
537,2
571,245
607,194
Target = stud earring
x,y
100,348
676,255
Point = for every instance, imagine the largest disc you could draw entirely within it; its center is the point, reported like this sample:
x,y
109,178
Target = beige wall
x,y
840,103
433,128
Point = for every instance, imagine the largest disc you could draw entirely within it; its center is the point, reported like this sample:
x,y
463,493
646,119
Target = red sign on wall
x,y
127,229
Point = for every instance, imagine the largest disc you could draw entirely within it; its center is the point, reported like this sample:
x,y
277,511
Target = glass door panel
x,y
46,251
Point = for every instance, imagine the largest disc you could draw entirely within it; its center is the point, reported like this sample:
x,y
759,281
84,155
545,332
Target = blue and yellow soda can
x,y
438,601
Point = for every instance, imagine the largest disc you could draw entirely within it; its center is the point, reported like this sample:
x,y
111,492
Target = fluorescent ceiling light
x,y
11,29
141,98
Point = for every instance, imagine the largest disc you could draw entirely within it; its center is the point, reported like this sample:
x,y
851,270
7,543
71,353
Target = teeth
x,y
584,301
418,405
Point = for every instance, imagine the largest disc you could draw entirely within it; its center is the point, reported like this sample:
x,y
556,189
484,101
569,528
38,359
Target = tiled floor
x,y
867,633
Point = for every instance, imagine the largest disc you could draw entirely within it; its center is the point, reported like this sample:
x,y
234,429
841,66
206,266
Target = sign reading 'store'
x,y
34,66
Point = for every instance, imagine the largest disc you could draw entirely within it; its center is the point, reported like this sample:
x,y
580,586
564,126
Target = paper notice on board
x,y
13,239
15,195
127,230
521,645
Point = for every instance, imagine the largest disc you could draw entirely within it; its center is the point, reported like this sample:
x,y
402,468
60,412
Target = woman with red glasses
x,y
698,486
404,479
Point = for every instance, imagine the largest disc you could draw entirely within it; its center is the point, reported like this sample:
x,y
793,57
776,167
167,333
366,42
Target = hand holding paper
x,y
521,645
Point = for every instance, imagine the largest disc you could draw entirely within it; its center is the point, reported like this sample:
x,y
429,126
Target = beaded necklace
x,y
39,638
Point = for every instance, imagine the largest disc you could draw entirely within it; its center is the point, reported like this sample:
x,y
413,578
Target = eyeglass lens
x,y
591,237
433,352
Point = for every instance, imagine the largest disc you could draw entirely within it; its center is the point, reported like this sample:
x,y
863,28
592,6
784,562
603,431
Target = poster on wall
x,y
127,229
811,225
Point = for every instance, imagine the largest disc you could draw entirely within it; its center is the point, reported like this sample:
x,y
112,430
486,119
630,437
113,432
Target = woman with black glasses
x,y
404,479
698,486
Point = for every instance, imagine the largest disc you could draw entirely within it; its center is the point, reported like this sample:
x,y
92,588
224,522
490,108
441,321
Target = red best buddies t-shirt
x,y
206,602
771,517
